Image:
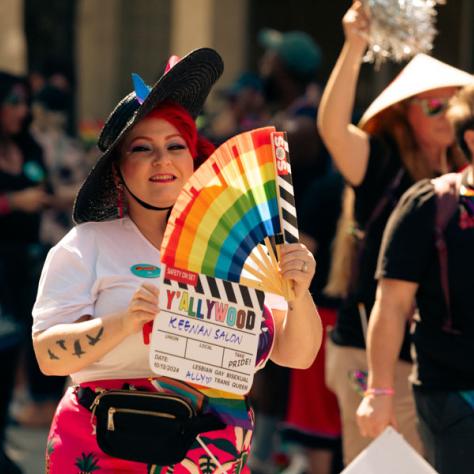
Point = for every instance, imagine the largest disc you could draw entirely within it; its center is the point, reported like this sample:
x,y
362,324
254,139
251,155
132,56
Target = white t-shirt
x,y
89,273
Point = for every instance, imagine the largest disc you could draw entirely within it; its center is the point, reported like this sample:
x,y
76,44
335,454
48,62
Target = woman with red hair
x,y
92,305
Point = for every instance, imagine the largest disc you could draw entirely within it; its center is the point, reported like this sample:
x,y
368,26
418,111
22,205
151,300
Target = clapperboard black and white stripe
x,y
222,290
287,202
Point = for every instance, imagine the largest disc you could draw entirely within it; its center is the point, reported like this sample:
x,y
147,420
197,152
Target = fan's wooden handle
x,y
289,289
288,285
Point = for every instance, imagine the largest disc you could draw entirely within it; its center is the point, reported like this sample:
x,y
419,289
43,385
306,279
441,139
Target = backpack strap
x,y
446,189
387,199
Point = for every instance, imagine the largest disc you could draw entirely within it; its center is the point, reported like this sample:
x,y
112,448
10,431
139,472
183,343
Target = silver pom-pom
x,y
399,29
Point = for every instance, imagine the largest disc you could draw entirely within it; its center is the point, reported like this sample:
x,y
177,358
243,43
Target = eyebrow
x,y
144,137
150,138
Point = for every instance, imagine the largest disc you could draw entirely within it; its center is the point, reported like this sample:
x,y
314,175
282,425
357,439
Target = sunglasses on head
x,y
432,106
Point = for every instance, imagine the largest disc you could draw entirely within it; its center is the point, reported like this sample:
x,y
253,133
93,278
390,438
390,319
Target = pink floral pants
x,y
72,447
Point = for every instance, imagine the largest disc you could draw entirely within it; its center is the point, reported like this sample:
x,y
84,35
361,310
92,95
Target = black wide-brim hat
x,y
187,83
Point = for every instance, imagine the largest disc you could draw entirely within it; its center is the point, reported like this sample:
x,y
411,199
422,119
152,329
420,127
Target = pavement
x,y
26,446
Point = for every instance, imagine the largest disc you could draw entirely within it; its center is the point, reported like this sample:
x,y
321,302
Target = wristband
x,y
379,391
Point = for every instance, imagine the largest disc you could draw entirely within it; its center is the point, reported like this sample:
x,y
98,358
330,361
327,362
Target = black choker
x,y
141,202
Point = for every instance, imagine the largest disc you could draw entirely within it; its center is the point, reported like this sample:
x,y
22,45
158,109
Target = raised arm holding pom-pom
x,y
348,144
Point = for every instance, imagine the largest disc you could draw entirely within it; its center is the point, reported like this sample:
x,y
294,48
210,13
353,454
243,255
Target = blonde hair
x,y
390,122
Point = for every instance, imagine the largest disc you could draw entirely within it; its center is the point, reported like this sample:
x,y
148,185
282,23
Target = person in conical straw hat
x,y
99,293
403,136
423,73
426,254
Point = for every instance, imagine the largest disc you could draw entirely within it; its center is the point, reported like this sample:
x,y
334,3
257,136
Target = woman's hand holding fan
x,y
298,265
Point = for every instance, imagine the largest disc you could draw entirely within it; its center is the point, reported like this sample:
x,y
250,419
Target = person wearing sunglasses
x,y
414,264
431,106
402,137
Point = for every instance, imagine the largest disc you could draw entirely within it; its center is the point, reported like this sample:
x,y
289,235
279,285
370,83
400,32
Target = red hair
x,y
201,148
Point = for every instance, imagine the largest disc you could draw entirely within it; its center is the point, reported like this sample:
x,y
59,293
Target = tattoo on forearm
x,y
62,344
52,355
78,352
94,340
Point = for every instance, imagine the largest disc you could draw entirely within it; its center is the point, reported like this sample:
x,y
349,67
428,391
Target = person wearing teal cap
x,y
297,50
289,68
243,108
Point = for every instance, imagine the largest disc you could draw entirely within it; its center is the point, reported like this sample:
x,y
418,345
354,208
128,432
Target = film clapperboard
x,y
208,329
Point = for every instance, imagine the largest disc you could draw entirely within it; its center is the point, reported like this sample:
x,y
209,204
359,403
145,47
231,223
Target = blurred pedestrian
x,y
23,196
244,109
64,157
288,69
65,163
403,136
414,264
312,421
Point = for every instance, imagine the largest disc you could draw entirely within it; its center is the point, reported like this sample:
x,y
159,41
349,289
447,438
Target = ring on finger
x,y
304,268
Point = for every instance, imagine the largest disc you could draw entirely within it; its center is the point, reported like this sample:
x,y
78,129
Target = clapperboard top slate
x,y
222,289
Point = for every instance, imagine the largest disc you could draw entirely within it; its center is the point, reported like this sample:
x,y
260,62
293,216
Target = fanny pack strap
x,y
85,396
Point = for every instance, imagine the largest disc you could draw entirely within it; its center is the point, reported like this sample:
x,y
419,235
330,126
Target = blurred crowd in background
x,y
43,160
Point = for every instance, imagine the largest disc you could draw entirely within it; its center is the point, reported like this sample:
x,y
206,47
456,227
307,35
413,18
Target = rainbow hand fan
x,y
234,211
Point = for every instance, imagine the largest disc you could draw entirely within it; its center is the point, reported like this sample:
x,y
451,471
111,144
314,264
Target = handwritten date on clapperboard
x,y
207,331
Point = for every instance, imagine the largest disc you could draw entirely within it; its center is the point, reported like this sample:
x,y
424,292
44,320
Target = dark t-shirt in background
x,y
383,166
17,227
20,251
443,360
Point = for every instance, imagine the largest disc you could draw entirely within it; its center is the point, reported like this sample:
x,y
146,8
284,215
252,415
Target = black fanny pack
x,y
148,427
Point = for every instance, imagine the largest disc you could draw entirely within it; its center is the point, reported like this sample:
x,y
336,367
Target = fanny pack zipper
x,y
103,392
113,410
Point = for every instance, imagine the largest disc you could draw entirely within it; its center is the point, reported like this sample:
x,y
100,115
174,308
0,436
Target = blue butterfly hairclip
x,y
141,89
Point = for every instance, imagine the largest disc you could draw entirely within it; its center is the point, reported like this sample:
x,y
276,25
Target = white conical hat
x,y
423,73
